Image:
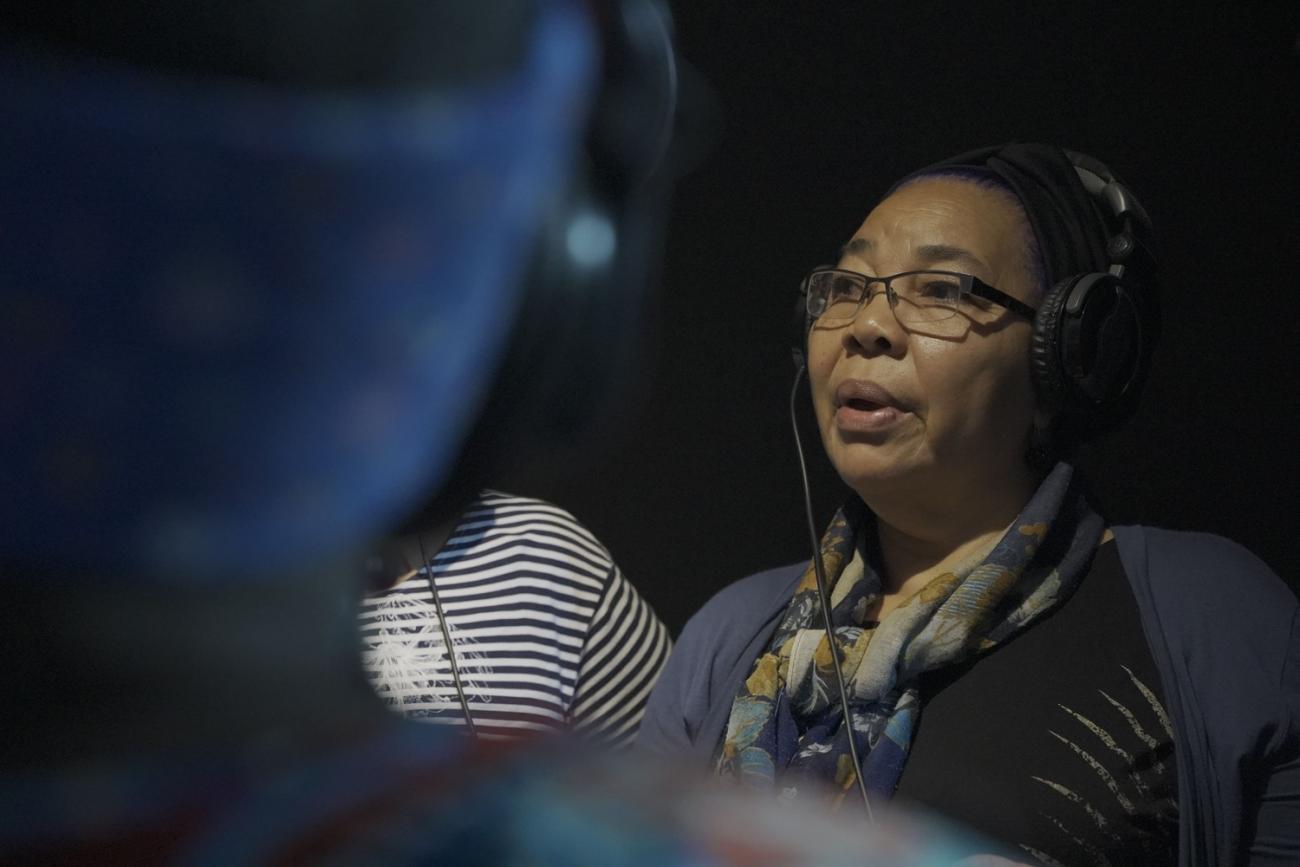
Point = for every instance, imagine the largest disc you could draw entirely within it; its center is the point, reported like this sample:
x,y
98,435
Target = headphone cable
x,y
823,593
446,637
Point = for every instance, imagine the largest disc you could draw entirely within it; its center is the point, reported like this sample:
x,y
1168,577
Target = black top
x,y
1070,759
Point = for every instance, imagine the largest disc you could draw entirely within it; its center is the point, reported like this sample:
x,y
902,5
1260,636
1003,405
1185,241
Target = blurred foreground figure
x,y
259,267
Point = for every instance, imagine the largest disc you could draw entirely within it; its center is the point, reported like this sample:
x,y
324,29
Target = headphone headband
x,y
1130,223
1095,332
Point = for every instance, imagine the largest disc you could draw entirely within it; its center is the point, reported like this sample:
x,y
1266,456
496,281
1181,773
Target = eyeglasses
x,y
834,296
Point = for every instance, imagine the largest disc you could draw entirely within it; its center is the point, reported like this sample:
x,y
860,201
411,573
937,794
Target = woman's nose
x,y
874,329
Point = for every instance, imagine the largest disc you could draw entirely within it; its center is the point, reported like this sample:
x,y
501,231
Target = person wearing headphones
x,y
1082,693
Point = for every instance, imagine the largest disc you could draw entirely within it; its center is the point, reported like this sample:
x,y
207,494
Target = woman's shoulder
x,y
1213,603
506,506
688,707
725,628
750,600
1202,567
495,517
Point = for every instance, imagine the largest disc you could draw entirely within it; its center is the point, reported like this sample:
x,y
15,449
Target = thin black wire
x,y
446,638
823,594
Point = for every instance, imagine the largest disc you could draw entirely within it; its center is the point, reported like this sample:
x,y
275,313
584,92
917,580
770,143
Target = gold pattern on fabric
x,y
845,774
763,681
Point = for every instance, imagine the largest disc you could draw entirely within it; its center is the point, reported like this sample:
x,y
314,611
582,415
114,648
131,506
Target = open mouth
x,y
865,407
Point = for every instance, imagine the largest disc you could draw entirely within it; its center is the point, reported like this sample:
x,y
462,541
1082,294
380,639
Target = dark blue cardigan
x,y
1225,634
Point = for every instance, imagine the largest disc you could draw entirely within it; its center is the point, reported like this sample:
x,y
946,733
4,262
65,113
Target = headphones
x,y
576,341
1090,351
1093,335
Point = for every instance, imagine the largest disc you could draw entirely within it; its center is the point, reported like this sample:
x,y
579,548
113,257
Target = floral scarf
x,y
786,725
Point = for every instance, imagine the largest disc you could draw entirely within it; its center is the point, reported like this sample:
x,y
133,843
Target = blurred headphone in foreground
x,y
576,345
1093,337
267,259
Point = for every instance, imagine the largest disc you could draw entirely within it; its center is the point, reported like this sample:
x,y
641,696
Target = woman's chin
x,y
877,472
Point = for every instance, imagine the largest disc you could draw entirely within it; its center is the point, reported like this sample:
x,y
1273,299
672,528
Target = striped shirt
x,y
547,633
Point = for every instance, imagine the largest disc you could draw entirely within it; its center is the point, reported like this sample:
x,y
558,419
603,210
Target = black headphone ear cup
x,y
1045,365
1102,349
1101,342
1088,354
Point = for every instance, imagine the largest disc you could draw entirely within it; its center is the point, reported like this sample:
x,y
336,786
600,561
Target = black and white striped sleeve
x,y
623,654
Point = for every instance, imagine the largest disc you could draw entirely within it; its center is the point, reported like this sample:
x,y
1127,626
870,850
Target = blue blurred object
x,y
415,797
243,326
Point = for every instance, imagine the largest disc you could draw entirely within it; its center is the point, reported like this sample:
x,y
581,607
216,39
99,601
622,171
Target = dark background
x,y
822,106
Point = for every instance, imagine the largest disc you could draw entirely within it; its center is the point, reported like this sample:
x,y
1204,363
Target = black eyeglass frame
x,y
969,285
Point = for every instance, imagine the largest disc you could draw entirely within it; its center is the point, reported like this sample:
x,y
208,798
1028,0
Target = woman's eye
x,y
940,290
842,287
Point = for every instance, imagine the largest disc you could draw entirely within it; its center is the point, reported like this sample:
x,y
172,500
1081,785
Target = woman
x,y
1082,694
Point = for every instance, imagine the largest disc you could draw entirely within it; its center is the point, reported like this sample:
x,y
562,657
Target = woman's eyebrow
x,y
932,253
929,254
855,247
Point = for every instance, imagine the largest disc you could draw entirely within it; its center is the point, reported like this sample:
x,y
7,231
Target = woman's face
x,y
902,408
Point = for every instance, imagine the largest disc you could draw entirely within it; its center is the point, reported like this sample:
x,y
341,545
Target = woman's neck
x,y
923,537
